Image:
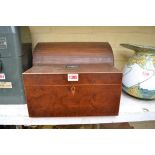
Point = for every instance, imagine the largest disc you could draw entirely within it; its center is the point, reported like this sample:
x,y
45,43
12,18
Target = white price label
x,y
73,77
5,84
2,76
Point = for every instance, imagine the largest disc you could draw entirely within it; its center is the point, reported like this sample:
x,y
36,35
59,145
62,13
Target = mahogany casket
x,y
72,79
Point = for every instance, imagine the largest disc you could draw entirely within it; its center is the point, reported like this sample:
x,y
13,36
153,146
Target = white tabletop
x,y
131,110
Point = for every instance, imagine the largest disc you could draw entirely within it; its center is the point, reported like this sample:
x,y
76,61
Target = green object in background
x,y
15,58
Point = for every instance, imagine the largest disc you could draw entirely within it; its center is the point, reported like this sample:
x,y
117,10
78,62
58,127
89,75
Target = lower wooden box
x,y
49,93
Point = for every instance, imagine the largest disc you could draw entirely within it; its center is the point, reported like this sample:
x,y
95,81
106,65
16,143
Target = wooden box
x,y
72,79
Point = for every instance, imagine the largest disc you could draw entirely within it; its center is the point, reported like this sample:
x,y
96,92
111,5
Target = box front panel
x,y
73,100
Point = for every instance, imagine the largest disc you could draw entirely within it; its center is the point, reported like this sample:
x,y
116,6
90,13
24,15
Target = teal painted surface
x,y
15,59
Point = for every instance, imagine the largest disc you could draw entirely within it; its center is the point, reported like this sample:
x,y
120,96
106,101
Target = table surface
x,y
131,110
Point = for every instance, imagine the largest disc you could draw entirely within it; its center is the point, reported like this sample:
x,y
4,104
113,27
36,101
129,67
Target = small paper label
x,y
146,73
2,76
5,84
73,77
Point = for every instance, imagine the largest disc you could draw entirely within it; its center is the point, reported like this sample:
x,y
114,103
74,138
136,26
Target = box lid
x,y
72,53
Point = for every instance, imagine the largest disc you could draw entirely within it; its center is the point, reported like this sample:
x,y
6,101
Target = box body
x,y
96,92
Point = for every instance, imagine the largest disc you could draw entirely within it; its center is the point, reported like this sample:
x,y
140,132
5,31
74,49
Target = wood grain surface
x,y
73,53
88,100
49,93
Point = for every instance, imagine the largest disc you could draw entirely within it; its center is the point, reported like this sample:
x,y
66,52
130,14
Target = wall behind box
x,y
113,35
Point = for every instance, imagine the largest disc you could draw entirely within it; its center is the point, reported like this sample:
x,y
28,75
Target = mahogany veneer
x,y
49,93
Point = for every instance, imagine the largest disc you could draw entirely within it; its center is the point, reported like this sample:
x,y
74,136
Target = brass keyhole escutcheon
x,y
73,90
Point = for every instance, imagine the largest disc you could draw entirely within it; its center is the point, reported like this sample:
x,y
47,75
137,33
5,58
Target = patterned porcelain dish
x,y
139,72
